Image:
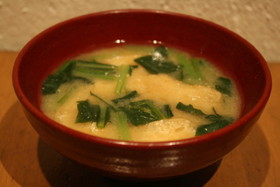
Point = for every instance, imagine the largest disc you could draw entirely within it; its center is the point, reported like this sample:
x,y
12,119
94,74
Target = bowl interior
x,y
201,38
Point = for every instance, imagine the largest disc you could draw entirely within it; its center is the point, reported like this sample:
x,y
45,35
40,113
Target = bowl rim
x,y
136,144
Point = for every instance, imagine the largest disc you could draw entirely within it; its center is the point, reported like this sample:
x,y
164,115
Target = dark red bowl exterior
x,y
136,160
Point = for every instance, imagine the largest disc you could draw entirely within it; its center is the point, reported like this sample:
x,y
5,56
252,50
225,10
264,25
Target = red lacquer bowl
x,y
136,160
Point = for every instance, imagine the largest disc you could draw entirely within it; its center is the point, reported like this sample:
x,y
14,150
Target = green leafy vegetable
x,y
87,112
205,129
83,79
160,52
191,69
90,73
67,95
216,121
224,85
122,125
157,62
142,112
125,72
77,70
130,95
167,111
105,114
104,117
93,69
155,66
189,109
92,113
105,102
53,81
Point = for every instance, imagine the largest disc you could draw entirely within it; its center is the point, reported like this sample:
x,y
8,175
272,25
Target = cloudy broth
x,y
140,93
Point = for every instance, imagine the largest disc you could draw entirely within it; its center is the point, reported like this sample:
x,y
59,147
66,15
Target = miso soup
x,y
140,93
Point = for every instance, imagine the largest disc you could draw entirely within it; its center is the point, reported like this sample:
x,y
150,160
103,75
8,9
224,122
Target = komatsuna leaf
x,y
189,109
87,112
155,66
53,81
130,95
224,85
218,122
142,112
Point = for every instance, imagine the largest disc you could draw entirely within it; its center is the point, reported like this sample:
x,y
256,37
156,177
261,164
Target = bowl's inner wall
x,y
200,38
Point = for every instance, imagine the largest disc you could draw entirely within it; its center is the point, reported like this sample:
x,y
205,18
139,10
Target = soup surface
x,y
140,93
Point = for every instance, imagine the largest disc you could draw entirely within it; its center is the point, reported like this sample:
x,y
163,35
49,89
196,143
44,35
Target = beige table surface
x,y
26,161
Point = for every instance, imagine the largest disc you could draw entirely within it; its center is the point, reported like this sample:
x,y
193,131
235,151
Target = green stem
x,y
154,109
122,126
105,102
124,73
90,73
67,95
95,65
104,117
191,69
